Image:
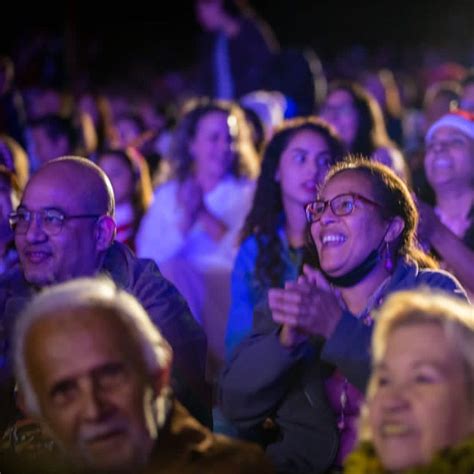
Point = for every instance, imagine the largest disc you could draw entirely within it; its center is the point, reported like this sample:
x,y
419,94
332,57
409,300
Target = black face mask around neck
x,y
358,273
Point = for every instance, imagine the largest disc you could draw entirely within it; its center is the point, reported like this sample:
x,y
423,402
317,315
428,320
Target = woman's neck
x,y
295,223
357,297
454,203
207,182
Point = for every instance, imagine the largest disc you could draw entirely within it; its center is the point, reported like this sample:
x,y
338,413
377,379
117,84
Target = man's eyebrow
x,y
61,386
110,368
53,208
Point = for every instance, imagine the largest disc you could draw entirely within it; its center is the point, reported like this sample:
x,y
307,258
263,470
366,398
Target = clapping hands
x,y
306,307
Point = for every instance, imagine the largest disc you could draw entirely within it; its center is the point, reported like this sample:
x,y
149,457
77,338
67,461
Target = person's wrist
x,y
290,338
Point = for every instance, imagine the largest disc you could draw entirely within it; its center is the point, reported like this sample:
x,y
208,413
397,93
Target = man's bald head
x,y
85,179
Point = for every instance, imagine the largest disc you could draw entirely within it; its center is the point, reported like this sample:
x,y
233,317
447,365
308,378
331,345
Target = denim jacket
x,y
247,290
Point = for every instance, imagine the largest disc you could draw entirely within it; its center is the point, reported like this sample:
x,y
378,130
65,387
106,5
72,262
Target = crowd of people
x,y
255,276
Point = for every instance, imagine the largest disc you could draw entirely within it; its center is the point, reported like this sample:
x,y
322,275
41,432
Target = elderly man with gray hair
x,y
93,369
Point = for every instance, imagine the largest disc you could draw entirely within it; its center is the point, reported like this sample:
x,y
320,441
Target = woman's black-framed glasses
x,y
341,205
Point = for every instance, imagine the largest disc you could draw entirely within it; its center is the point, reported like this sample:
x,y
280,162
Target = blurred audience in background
x,y
131,182
235,50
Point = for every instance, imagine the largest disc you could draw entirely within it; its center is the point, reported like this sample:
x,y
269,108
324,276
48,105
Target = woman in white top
x,y
191,228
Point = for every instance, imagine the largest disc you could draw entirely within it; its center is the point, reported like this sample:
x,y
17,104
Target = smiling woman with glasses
x,y
363,229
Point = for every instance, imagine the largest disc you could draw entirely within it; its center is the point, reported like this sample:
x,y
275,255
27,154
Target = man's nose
x,y
439,146
93,401
35,231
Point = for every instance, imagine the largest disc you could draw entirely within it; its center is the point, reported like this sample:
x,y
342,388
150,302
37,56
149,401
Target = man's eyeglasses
x,y
51,220
340,205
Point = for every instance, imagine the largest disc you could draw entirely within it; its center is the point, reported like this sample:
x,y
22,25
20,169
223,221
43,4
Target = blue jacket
x,y
247,290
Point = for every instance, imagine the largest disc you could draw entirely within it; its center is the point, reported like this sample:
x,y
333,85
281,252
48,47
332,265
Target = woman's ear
x,y
105,232
395,228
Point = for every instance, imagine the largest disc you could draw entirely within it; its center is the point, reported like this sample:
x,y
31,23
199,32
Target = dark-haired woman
x,y
131,182
272,249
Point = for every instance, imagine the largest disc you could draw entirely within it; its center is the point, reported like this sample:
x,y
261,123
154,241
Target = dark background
x,y
107,38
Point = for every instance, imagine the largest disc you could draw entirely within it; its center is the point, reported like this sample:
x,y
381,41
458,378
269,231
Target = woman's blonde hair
x,y
452,314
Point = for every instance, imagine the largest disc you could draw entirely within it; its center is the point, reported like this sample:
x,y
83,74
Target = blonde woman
x,y
419,416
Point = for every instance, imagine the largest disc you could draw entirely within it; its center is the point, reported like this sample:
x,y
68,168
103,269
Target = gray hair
x,y
87,294
452,314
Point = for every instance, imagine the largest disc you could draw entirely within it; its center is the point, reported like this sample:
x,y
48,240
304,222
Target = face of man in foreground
x,y
92,389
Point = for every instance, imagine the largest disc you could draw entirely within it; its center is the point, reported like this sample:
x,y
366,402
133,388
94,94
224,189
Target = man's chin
x,y
112,465
116,455
40,279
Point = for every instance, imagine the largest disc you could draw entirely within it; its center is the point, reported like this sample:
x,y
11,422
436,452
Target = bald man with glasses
x,y
64,229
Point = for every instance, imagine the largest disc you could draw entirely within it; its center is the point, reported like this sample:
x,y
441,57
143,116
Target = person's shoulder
x,y
238,456
235,183
124,267
435,275
206,451
249,244
165,191
442,280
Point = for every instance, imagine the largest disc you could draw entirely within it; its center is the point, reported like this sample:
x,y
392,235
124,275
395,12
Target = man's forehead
x,y
58,188
449,131
94,333
58,351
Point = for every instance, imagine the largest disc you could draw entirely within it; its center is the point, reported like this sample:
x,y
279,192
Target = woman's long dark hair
x,y
267,215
